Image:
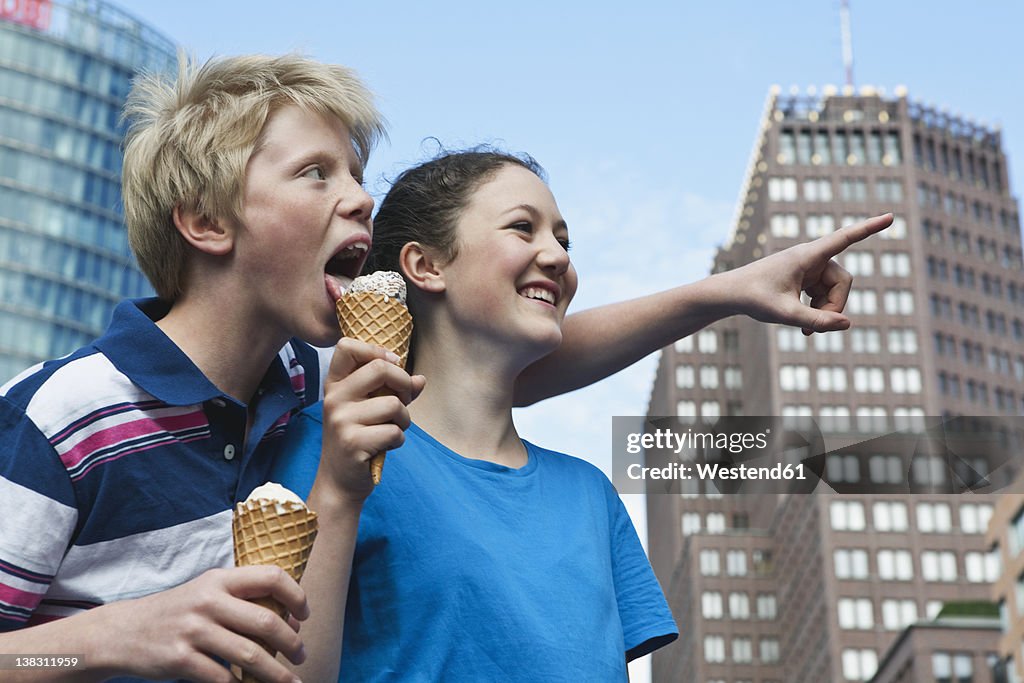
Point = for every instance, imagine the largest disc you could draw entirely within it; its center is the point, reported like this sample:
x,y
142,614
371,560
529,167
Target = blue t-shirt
x,y
466,570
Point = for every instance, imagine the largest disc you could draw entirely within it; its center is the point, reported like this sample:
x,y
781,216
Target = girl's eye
x,y
566,244
316,173
522,227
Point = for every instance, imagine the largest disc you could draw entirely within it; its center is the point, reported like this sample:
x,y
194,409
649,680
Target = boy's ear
x,y
421,266
206,234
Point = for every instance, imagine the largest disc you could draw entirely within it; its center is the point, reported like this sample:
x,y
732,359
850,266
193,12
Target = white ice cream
x,y
271,493
386,282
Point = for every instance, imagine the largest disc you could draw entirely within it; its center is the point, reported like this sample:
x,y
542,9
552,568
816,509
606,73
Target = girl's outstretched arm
x,y
601,341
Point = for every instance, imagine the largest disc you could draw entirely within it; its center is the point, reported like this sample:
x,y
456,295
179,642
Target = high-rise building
x,y
65,70
813,588
1006,538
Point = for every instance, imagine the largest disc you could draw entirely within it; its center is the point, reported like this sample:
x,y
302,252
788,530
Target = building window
x,y
938,565
859,665
818,190
952,668
844,469
736,563
871,419
782,189
794,378
684,345
908,418
896,231
828,343
856,613
928,470
716,523
710,563
934,518
711,605
981,567
684,376
835,419
895,565
714,649
708,377
905,380
785,225
899,302
742,650
709,410
739,606
859,263
769,650
889,516
895,264
1015,539
887,469
733,377
898,614
691,523
707,341
868,380
831,378
865,340
974,517
819,225
850,564
767,608
853,190
686,409
762,562
792,339
902,340
862,302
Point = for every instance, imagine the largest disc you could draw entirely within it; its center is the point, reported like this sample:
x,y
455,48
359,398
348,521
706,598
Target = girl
x,y
481,556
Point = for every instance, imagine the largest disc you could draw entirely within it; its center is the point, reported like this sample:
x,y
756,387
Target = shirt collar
x,y
148,357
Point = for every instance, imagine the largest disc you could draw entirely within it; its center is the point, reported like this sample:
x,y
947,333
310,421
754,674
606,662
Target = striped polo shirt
x,y
120,465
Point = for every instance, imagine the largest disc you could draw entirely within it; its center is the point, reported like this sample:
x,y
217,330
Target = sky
x,y
643,116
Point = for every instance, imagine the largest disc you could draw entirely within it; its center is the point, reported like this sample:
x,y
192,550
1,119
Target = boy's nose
x,y
355,203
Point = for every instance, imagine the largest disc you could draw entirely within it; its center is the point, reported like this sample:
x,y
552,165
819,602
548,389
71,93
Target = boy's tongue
x,y
336,285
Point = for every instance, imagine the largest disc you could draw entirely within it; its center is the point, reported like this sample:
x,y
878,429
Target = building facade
x,y
938,311
1006,538
65,70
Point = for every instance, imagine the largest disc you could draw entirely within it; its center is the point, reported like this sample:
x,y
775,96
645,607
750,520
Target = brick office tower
x,y
816,588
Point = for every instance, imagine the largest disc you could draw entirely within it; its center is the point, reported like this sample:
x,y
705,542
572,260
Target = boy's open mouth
x,y
344,267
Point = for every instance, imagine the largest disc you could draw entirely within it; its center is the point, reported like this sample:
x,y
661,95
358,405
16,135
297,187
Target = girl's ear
x,y
422,267
206,234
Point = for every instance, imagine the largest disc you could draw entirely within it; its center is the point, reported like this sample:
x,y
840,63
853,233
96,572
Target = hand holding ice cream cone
x,y
273,526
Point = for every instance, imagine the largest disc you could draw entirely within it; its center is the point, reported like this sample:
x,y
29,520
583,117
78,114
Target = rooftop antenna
x,y
844,23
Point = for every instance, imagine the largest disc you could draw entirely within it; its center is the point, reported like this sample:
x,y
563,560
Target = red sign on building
x,y
34,13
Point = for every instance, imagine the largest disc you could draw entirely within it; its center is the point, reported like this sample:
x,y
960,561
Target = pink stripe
x,y
125,431
76,425
147,447
19,598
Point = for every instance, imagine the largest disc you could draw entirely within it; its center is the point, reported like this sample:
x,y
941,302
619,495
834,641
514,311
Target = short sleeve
x,y
38,514
299,457
647,622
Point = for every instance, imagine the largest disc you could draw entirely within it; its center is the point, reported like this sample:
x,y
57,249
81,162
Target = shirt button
x,y
229,452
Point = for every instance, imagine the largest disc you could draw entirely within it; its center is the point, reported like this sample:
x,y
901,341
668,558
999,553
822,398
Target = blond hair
x,y
189,140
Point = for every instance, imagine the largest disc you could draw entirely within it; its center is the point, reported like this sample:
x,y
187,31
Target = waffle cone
x,y
376,319
264,535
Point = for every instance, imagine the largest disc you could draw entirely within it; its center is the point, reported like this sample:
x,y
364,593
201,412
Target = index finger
x,y
258,581
350,354
838,241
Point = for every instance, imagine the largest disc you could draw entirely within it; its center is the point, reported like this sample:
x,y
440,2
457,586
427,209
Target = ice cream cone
x,y
272,532
376,319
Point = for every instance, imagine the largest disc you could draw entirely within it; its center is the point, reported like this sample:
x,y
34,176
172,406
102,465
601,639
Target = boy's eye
x,y
316,173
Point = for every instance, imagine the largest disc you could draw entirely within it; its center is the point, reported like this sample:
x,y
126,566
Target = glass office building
x,y
65,70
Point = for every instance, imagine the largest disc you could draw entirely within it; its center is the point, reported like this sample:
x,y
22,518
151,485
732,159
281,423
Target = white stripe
x,y
144,563
34,529
77,389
